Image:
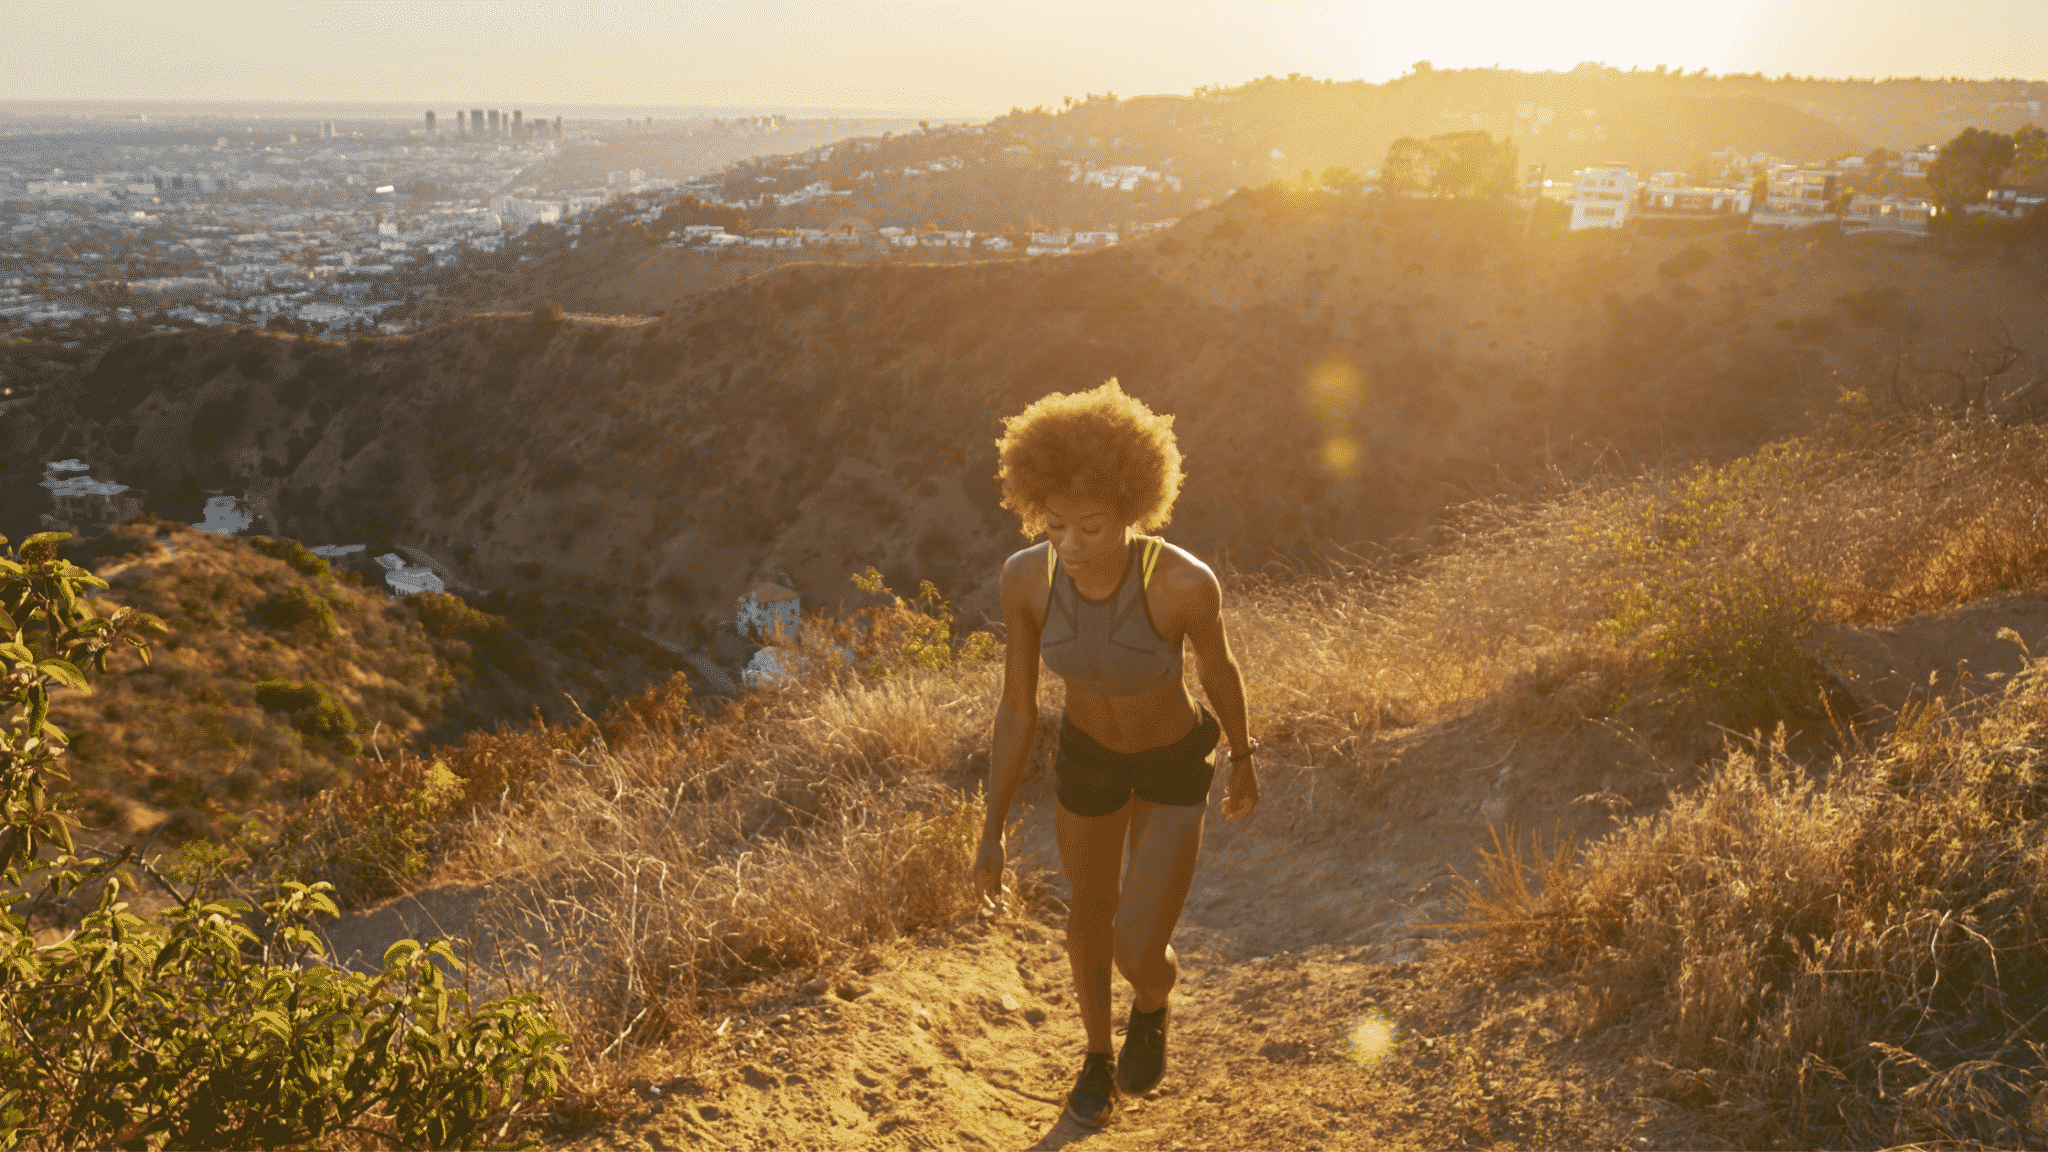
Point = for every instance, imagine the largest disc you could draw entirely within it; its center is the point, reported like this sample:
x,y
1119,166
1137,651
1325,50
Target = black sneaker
x,y
1143,1061
1094,1098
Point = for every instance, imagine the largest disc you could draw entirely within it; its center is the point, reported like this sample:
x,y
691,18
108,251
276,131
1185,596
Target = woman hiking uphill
x,y
1108,608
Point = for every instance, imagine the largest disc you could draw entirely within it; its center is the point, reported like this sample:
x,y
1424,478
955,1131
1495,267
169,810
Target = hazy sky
x,y
934,56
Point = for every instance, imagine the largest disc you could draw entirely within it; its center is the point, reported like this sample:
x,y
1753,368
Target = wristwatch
x,y
1251,749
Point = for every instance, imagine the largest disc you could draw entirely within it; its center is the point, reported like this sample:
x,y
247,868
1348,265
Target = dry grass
x,y
1698,589
1857,961
658,865
655,859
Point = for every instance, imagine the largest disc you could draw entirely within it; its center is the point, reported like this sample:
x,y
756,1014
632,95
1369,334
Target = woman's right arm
x,y
1016,721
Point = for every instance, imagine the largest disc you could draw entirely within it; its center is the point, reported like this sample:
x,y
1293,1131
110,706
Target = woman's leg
x,y
1091,853
1165,841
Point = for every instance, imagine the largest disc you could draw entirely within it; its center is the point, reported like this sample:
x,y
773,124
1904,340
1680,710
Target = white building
x,y
405,579
771,606
2010,202
1601,197
1798,197
1674,197
1892,213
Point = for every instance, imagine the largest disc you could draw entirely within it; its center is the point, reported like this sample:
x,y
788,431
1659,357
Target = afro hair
x,y
1101,442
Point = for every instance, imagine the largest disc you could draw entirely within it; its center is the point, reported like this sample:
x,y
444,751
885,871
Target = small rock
x,y
853,989
756,1078
923,1018
1009,1002
815,986
781,1020
710,1112
1035,1015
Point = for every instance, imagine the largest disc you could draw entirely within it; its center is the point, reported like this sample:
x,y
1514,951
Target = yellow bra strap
x,y
1152,546
1052,559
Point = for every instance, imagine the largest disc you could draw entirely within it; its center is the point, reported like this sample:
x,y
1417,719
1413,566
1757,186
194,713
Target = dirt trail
x,y
1298,950
1305,1017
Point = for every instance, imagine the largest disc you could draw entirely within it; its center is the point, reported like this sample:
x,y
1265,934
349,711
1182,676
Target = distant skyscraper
x,y
430,123
476,121
558,127
516,122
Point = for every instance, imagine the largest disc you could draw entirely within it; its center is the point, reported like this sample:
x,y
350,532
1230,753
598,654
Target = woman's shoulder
x,y
1025,562
1181,573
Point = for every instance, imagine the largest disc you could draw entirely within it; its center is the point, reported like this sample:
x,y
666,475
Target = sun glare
x,y
1372,1037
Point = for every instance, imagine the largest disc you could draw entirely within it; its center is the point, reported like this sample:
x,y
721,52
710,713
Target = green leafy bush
x,y
1702,589
914,633
449,617
315,711
301,609
293,553
195,1031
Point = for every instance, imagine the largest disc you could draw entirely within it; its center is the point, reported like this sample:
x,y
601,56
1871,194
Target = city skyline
x,y
942,58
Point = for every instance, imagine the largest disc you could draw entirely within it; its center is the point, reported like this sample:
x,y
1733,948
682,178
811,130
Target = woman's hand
x,y
989,890
1241,794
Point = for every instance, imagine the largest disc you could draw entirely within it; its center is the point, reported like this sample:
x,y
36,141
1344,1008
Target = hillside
x,y
278,676
757,934
1340,370
1020,169
628,274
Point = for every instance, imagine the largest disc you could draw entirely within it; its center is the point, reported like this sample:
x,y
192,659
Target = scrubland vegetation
x,y
1807,953
279,673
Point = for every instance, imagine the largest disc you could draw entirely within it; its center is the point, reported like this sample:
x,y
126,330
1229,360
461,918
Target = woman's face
x,y
1084,530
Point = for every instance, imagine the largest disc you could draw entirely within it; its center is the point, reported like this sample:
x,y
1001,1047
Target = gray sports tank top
x,y
1108,647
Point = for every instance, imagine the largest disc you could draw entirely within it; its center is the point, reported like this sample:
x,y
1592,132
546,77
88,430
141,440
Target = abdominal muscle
x,y
1134,723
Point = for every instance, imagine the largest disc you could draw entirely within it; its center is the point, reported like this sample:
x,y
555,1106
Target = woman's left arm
x,y
1199,597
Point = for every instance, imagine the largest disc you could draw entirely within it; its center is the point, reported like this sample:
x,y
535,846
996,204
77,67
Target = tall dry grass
x,y
656,858
1698,589
651,870
1855,961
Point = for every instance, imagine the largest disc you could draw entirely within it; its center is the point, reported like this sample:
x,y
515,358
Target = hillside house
x,y
78,502
772,605
1892,213
1679,200
1601,197
1916,162
1798,197
2010,202
403,579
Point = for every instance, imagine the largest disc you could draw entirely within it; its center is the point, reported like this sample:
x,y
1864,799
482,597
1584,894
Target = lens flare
x,y
1333,393
1340,456
1372,1037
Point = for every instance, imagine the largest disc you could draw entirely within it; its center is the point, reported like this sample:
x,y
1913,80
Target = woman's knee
x,y
1136,947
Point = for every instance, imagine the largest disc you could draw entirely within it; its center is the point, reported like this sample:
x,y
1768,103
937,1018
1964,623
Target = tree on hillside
x,y
1406,169
2030,155
1341,180
1467,165
1968,166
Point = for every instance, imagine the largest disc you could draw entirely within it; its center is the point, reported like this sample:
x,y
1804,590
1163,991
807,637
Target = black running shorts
x,y
1094,781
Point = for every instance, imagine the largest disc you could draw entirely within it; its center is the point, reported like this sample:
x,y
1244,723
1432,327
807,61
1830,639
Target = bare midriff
x,y
1134,723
